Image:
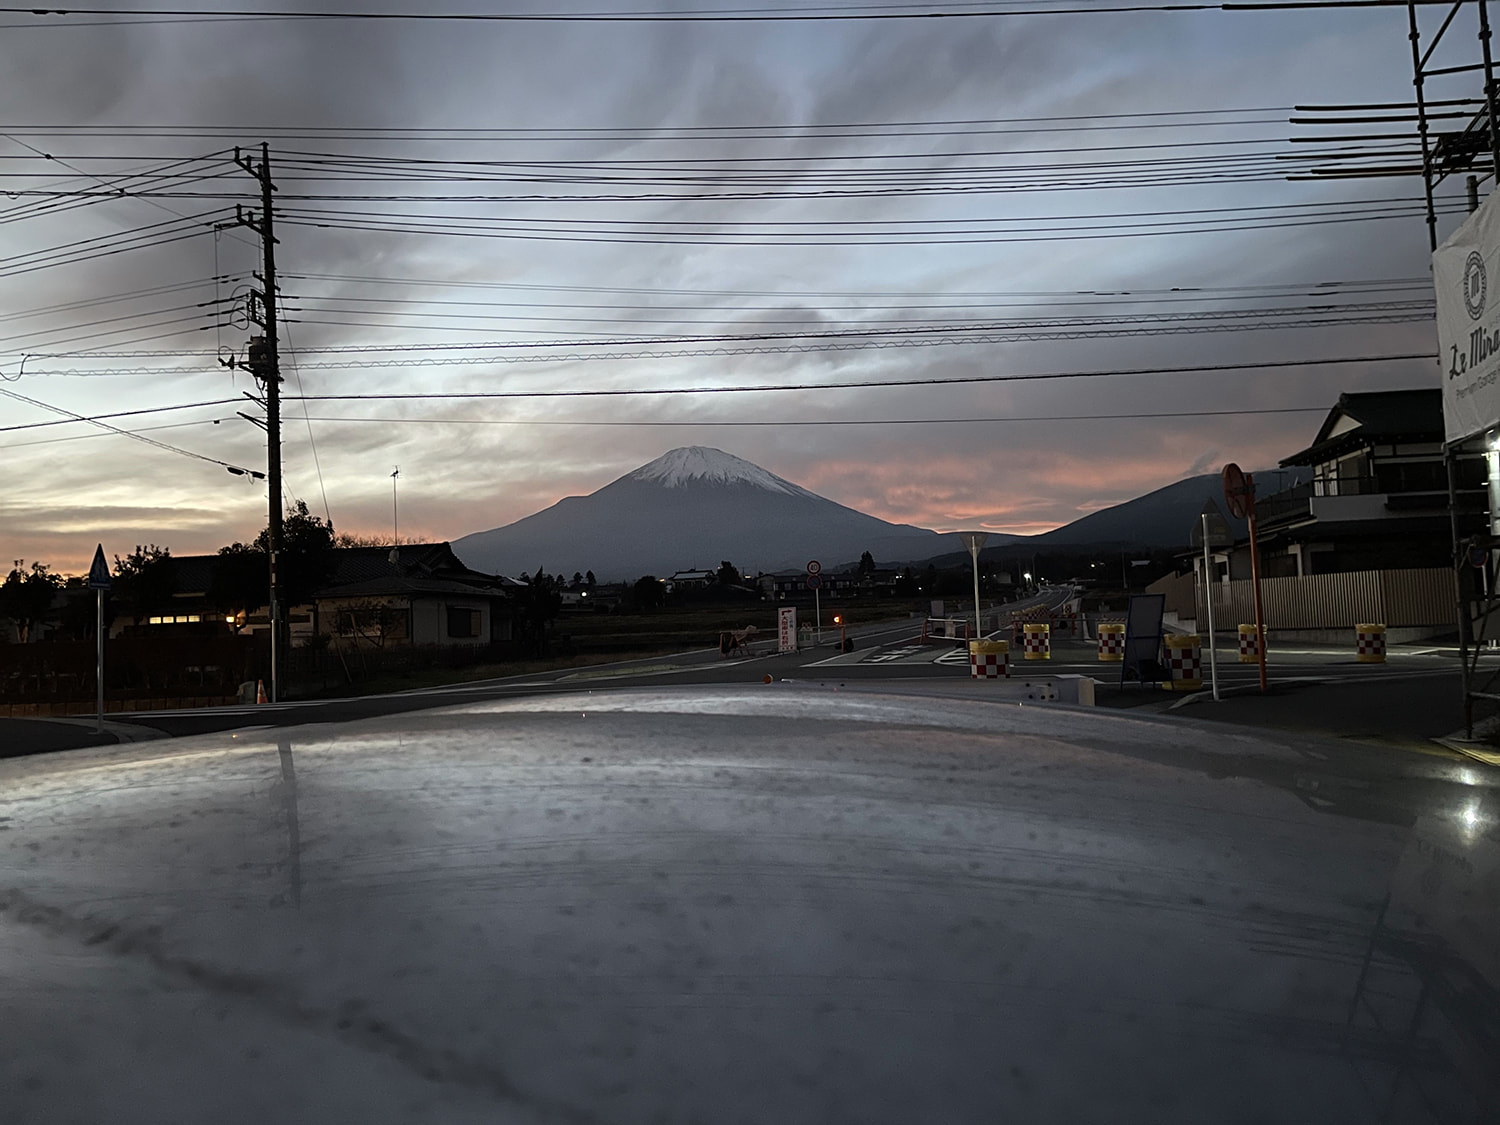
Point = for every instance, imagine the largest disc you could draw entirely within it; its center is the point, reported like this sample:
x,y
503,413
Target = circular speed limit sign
x,y
814,567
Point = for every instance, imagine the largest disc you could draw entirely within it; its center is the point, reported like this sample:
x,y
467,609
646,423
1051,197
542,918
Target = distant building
x,y
420,593
791,585
689,580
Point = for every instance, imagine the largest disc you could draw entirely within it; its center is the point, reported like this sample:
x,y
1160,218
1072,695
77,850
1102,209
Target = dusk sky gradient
x,y
68,486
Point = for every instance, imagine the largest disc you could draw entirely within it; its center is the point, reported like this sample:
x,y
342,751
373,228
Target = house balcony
x,y
1351,500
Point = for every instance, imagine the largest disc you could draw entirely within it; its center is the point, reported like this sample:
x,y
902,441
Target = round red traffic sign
x,y
814,581
814,567
1239,492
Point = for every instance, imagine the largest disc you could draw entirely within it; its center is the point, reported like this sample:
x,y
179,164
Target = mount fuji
x,y
690,509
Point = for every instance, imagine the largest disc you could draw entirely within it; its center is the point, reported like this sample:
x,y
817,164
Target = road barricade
x,y
1249,644
1038,642
989,660
1369,644
1111,641
1184,662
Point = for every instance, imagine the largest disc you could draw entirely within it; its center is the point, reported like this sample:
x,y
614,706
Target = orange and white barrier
x,y
1038,642
1249,644
989,660
1184,662
1111,641
1369,644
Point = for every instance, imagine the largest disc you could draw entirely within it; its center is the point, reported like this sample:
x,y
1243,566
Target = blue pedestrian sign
x,y
99,572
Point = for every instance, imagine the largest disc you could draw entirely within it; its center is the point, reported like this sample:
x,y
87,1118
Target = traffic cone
x,y
260,691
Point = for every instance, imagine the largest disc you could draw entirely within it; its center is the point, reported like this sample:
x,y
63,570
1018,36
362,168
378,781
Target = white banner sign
x,y
1468,320
786,629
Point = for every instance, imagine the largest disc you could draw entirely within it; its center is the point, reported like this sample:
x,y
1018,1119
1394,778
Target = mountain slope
x,y
690,509
1163,519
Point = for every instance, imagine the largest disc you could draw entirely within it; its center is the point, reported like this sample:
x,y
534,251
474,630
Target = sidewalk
x,y
42,736
1407,712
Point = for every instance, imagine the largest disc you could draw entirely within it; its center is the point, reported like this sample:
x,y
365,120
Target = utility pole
x,y
264,363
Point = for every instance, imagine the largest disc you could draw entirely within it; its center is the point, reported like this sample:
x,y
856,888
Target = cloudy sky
x,y
539,209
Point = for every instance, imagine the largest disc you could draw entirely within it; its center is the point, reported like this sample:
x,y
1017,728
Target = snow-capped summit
x,y
676,467
692,508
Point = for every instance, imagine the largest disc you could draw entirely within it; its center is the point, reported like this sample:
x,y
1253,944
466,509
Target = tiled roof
x,y
394,584
357,565
1382,416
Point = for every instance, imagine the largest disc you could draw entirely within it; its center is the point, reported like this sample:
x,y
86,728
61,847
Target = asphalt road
x,y
1410,700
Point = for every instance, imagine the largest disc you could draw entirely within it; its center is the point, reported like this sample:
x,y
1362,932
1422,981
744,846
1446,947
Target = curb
x,y
123,732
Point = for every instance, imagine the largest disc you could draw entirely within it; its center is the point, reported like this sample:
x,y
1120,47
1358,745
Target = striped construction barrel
x,y
1249,644
989,660
1369,644
1184,662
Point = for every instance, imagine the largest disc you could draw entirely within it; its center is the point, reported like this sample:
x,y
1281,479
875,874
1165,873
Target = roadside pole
x,y
974,540
1208,600
1239,494
815,582
1260,616
99,583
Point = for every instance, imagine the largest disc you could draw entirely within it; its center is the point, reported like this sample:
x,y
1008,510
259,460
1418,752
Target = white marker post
x,y
974,540
1208,599
99,583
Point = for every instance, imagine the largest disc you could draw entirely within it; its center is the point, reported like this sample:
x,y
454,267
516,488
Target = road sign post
x,y
1239,494
1208,601
99,583
815,580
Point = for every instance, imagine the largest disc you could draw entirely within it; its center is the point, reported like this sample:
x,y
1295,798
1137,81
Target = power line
x,y
963,380
778,423
829,14
235,469
1424,283
854,384
92,436
117,414
591,423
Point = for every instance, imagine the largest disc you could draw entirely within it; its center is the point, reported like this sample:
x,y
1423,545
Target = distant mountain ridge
x,y
692,508
696,506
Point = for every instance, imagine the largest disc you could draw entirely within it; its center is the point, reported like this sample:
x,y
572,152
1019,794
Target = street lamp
x,y
974,540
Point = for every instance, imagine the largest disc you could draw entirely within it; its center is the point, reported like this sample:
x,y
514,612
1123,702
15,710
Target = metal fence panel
x,y
1396,598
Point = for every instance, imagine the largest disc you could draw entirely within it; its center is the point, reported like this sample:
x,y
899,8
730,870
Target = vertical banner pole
x,y
1208,600
99,671
1260,617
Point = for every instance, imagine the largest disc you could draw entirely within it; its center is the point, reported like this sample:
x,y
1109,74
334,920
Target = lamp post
x,y
974,540
395,520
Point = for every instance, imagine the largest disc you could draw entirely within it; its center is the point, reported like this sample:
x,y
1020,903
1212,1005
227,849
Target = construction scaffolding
x,y
1456,135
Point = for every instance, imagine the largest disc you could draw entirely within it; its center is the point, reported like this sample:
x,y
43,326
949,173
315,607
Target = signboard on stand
x,y
786,629
1468,323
